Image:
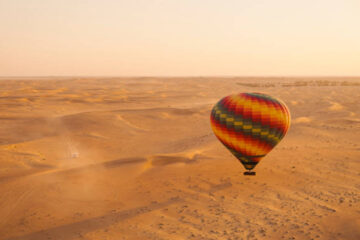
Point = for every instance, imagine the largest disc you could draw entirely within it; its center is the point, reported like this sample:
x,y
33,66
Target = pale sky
x,y
179,37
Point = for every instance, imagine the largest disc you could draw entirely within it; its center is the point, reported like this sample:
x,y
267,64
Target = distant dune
x,y
135,158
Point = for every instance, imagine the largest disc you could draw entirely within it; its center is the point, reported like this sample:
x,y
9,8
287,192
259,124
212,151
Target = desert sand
x,y
135,158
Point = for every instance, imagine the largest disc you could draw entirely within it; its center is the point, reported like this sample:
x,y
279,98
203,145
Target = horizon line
x,y
181,76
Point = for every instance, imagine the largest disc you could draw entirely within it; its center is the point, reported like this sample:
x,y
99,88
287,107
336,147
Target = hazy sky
x,y
179,37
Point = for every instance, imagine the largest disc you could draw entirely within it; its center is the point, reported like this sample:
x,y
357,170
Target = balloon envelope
x,y
250,125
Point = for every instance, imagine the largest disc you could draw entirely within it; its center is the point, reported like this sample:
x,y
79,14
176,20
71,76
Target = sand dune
x,y
119,158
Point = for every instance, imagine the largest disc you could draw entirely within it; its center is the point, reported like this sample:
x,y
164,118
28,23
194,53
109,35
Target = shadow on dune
x,y
123,161
166,160
77,229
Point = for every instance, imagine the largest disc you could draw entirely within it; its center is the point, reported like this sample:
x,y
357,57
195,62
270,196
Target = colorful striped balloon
x,y
250,125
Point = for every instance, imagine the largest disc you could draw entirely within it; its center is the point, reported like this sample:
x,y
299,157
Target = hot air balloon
x,y
250,125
